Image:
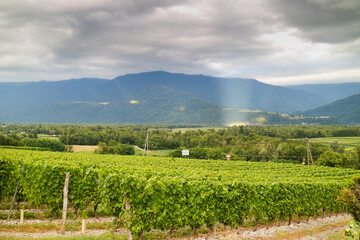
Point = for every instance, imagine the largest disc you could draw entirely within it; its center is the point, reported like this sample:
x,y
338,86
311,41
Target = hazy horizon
x,y
109,79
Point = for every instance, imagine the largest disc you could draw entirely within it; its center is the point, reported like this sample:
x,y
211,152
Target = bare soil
x,y
316,229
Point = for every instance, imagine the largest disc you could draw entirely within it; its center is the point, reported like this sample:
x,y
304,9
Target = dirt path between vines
x,y
319,229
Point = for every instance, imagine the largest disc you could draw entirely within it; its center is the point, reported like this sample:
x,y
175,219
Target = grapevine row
x,y
174,193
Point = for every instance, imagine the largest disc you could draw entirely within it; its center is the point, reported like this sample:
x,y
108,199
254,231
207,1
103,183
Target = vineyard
x,y
167,193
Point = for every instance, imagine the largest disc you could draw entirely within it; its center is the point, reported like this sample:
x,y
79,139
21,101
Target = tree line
x,y
249,143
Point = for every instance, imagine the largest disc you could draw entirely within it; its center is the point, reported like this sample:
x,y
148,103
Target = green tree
x,y
115,148
353,158
198,153
336,147
53,145
177,153
9,141
333,159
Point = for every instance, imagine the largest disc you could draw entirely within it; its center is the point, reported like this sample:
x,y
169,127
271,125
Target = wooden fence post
x,y
83,227
21,216
65,203
127,207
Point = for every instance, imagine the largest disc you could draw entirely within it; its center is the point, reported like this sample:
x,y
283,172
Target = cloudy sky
x,y
275,41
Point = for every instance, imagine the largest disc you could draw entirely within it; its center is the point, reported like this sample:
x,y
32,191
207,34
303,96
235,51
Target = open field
x,y
84,148
349,142
155,153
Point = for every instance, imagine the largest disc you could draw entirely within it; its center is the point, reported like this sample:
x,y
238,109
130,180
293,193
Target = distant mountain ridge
x,y
334,91
150,107
226,92
21,96
346,111
151,97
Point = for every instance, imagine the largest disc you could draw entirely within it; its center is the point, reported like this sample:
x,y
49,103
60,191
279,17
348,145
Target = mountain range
x,y
331,92
161,97
345,111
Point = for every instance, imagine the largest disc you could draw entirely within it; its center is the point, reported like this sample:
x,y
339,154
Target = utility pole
x,y
67,142
146,147
308,152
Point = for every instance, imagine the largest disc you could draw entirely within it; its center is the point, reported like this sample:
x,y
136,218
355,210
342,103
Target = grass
x,y
109,226
138,152
5,204
31,228
48,214
339,235
76,227
335,228
161,153
84,148
349,142
157,153
49,226
312,232
105,236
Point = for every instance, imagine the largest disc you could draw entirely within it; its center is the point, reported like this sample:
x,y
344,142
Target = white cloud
x,y
337,76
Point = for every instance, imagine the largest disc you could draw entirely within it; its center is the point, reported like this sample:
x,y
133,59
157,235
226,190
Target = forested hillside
x,y
346,111
153,97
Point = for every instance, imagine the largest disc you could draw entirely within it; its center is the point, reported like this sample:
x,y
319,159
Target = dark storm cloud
x,y
330,21
51,39
217,31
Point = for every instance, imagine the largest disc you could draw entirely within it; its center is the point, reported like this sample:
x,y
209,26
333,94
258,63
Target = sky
x,y
280,42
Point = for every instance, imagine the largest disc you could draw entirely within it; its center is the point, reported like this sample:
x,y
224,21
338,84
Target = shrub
x,y
333,159
115,148
53,145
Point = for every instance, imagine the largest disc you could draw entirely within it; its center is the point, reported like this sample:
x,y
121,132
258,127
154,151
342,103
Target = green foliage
x,y
352,230
201,153
26,148
336,147
166,194
249,143
345,110
115,148
6,177
352,157
198,153
254,143
84,214
286,161
334,159
351,198
53,145
177,153
162,97
9,141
